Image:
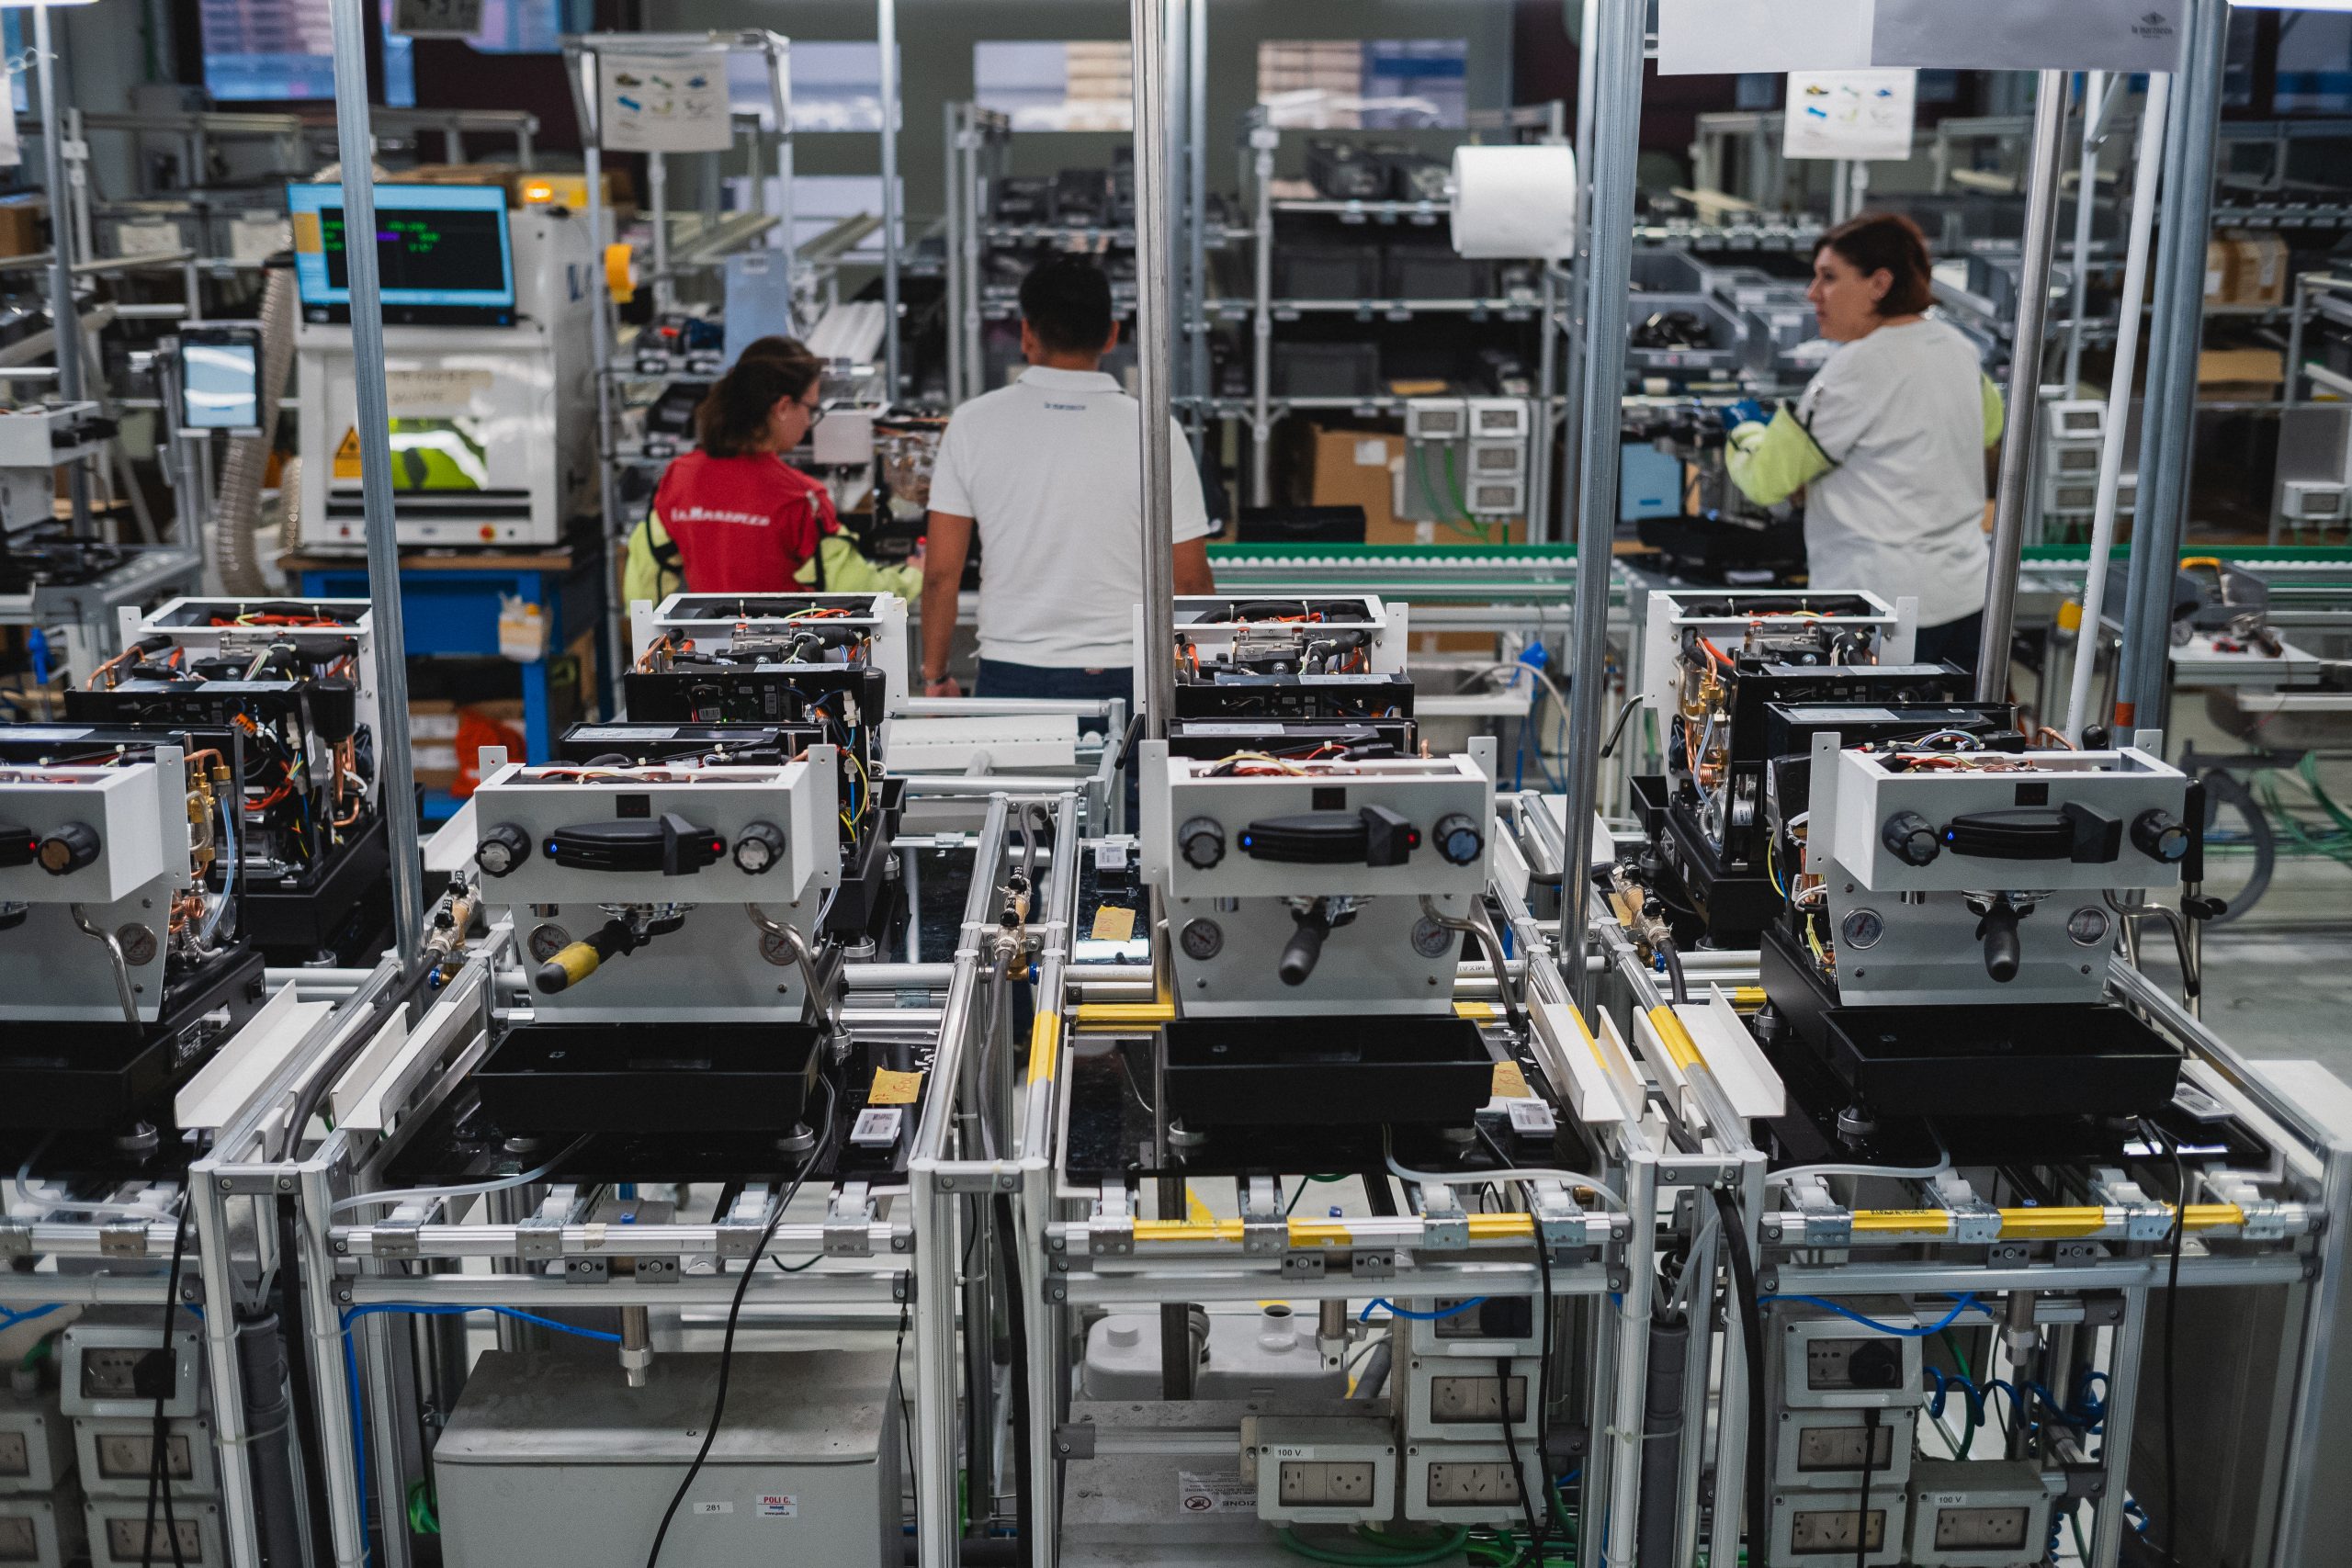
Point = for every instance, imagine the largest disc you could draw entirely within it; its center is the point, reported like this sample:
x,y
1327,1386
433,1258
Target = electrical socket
x,y
122,1539
1818,1531
1305,1482
130,1455
1982,1529
1456,1400
119,1371
1472,1482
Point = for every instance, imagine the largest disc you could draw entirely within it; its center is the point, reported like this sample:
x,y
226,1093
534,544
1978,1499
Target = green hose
x,y
1442,1547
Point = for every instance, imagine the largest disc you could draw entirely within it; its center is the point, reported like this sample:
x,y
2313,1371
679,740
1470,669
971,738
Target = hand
x,y
944,686
1747,410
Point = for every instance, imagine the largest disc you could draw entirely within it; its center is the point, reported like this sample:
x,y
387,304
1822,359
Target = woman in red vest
x,y
733,516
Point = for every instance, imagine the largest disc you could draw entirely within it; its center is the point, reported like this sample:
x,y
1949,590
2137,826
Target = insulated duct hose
x,y
230,550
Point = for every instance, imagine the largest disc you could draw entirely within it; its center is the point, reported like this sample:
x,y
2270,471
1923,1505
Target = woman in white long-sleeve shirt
x,y
1888,441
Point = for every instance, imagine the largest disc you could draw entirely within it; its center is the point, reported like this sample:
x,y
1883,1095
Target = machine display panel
x,y
445,254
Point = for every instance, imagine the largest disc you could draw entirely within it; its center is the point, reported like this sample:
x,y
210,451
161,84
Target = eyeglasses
x,y
816,414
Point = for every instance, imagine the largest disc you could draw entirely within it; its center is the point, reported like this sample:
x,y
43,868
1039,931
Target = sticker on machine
x,y
714,1507
1214,1492
778,1505
434,391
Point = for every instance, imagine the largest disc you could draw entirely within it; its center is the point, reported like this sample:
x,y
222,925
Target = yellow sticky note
x,y
1113,923
894,1089
1510,1083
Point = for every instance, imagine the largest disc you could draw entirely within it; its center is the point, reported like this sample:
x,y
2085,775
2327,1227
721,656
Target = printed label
x,y
714,1507
1214,1492
779,1506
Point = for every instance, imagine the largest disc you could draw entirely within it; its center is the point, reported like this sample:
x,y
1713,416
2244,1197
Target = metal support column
x,y
64,317
395,776
1262,139
2146,163
2168,425
1155,357
886,31
1196,174
953,263
1571,368
2015,498
1616,46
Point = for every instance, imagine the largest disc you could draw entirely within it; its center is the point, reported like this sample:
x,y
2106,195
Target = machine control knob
x,y
1201,840
1911,839
758,848
1459,842
69,848
502,849
2161,836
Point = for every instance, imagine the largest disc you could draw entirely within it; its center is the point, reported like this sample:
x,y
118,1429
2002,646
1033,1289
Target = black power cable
x,y
1751,1325
157,1463
1863,1512
1543,1381
1510,1445
1016,1329
735,1314
2172,1335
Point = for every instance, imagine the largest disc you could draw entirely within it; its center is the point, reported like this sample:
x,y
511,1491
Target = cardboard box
x,y
2240,375
432,719
2220,271
1360,468
2259,276
21,220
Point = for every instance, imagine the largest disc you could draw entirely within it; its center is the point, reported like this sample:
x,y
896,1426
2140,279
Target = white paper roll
x,y
1515,203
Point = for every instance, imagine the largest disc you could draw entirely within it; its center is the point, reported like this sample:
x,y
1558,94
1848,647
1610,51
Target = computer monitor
x,y
221,377
443,251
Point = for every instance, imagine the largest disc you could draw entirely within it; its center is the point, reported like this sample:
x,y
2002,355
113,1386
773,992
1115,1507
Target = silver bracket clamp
x,y
654,1270
1559,1219
124,1238
847,1222
1445,1227
1827,1222
1371,1263
1303,1265
2266,1218
1111,1229
539,1238
1265,1229
1974,1223
395,1235
746,1222
2144,1219
15,1238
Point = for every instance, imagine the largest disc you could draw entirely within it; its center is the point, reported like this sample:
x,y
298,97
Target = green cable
x,y
1453,487
1430,496
422,1516
1444,1546
2309,771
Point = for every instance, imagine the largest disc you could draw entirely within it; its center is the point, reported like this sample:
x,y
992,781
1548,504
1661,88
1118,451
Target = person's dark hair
x,y
1889,243
732,418
1066,302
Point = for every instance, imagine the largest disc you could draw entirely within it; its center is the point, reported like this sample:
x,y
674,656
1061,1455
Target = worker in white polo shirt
x,y
1050,470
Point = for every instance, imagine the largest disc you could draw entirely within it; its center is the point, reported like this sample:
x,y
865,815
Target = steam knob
x,y
2160,836
1459,842
69,848
758,848
1202,842
502,850
1911,839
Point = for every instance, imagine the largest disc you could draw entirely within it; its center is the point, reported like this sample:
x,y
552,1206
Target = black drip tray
x,y
1327,1071
631,1078
2059,1059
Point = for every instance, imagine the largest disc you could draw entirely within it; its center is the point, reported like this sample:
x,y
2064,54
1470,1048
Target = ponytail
x,y
732,418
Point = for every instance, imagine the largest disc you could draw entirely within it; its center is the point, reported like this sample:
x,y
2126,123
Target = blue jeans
x,y
999,679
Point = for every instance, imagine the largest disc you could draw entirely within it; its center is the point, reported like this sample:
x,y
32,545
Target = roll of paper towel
x,y
1515,203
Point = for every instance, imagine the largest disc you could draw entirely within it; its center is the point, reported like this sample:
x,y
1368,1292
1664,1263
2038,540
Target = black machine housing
x,y
314,856
1714,841
1293,685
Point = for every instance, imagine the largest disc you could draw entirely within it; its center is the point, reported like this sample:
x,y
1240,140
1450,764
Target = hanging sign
x,y
664,103
437,18
1703,38
1851,114
2031,35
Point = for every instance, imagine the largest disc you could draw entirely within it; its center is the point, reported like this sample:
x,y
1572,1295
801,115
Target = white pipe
x,y
2149,159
